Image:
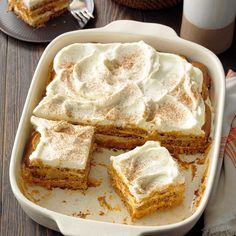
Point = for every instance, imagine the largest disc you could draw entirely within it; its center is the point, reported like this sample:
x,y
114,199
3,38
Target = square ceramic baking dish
x,y
163,39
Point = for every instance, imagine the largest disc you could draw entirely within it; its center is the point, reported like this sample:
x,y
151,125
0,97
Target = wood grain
x,y
3,63
18,61
170,17
21,61
108,11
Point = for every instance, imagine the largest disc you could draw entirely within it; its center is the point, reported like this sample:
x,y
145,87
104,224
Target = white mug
x,y
209,23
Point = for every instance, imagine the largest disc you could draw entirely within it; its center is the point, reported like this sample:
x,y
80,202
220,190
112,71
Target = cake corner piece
x,y
58,154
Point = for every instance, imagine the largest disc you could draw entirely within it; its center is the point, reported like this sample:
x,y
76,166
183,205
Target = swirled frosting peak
x,y
125,84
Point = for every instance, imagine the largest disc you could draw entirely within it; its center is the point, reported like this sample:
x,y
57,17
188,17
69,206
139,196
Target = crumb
x,y
64,201
125,220
102,164
201,161
194,170
99,149
81,214
101,213
184,165
93,163
35,191
94,182
35,196
202,188
199,193
196,193
103,203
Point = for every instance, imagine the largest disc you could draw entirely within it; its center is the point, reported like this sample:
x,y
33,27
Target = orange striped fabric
x,y
230,146
222,147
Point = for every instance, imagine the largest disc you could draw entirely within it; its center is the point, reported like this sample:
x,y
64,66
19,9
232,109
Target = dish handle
x,y
136,27
71,226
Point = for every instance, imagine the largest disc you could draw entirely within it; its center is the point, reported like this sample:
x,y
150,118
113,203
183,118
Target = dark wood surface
x,y
18,61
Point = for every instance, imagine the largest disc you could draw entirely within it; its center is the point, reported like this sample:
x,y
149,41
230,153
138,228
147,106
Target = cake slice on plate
x,y
147,179
58,154
37,12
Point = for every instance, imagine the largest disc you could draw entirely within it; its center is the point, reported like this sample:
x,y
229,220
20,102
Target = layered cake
x,y
131,94
147,179
58,154
37,12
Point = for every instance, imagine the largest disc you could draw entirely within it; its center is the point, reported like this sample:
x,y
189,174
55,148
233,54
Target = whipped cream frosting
x,y
125,84
61,144
147,169
32,3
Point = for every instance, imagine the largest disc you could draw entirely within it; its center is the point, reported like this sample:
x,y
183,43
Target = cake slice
x,y
58,154
147,179
37,12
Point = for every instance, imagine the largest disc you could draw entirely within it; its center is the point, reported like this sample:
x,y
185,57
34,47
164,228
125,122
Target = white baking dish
x,y
162,38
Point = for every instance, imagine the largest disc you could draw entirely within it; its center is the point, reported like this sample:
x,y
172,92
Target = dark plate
x,y
16,28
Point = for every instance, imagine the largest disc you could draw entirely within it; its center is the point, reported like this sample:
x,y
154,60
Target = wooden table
x,y
18,61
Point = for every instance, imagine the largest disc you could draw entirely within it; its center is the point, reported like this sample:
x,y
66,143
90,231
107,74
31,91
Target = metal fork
x,y
79,9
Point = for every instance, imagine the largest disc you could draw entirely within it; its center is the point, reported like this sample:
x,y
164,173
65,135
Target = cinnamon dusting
x,y
168,110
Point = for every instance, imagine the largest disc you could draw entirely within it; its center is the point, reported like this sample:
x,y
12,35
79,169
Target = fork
x,y
80,11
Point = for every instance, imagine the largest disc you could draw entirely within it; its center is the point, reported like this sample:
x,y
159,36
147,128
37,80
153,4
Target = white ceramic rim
x,y
131,28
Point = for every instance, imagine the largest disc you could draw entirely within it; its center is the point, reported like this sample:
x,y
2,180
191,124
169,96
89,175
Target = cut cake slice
x,y
147,179
58,154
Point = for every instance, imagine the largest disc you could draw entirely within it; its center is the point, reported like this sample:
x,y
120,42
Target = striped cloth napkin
x,y
220,214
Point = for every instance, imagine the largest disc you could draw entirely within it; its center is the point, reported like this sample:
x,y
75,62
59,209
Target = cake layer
x,y
50,177
147,179
108,141
40,13
129,138
129,142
